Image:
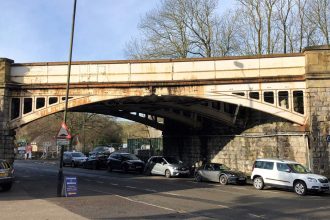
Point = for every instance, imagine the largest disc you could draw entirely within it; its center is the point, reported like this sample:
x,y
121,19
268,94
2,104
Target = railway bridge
x,y
230,109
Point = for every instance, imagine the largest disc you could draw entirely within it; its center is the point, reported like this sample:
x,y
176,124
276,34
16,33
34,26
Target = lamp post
x,y
60,172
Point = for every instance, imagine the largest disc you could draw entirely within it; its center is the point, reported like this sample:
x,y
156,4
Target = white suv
x,y
288,174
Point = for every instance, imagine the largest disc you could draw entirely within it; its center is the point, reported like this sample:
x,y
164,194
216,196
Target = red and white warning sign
x,y
63,133
63,136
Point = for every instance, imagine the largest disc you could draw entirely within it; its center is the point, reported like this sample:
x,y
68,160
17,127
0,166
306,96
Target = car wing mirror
x,y
162,163
287,170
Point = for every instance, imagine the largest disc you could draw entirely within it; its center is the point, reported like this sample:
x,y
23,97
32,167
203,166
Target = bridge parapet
x,y
161,70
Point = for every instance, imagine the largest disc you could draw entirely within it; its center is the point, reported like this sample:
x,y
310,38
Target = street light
x,y
60,172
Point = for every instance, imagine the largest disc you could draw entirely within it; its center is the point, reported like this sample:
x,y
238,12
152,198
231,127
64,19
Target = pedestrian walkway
x,y
35,209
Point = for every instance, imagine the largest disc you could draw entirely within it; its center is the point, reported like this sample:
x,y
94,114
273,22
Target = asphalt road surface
x,y
115,195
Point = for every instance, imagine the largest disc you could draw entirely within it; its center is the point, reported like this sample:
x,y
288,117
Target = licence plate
x,y
241,178
138,167
3,174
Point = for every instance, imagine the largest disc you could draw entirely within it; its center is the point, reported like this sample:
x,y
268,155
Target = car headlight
x,y
312,180
175,168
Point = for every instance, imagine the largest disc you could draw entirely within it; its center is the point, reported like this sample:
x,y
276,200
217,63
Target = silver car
x,y
167,166
74,159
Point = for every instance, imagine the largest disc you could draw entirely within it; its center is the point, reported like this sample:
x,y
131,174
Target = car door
x,y
158,166
207,172
268,172
116,161
282,175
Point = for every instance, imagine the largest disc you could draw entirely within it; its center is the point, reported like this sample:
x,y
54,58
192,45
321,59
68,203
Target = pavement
x,y
18,204
35,209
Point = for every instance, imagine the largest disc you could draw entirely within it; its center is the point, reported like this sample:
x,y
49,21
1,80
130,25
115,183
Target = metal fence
x,y
145,147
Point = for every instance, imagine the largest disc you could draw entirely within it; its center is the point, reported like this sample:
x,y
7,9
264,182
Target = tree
x,y
269,9
253,18
192,28
176,29
284,9
226,38
94,129
319,15
201,21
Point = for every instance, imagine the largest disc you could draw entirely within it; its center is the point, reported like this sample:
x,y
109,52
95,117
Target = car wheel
x,y
198,177
258,183
167,174
300,188
7,186
223,180
109,168
72,164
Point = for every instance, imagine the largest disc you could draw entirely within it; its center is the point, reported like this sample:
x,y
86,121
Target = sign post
x,y
63,139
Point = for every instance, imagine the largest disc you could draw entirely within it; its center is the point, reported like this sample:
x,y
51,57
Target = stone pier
x,y
6,135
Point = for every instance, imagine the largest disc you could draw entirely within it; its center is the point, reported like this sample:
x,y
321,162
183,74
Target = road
x,y
115,195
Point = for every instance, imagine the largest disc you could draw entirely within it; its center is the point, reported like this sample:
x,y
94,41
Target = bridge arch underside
x,y
196,129
199,128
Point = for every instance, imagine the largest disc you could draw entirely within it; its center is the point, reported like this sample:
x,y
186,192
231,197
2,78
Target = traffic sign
x,y
63,133
62,141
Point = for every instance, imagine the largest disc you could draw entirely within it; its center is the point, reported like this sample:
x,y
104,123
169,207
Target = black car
x,y
125,162
6,175
96,161
220,173
102,150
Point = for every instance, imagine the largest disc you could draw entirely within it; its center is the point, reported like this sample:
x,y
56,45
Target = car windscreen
x,y
78,154
130,157
171,160
298,168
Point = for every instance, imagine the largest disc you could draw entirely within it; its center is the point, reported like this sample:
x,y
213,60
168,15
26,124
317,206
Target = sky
x,y
39,30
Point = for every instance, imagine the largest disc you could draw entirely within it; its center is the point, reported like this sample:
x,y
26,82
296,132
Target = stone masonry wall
x,y
271,138
318,85
239,152
6,135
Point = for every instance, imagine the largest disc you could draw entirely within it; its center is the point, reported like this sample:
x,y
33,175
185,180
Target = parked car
x,y
6,175
125,162
102,150
167,166
96,161
73,159
217,172
287,174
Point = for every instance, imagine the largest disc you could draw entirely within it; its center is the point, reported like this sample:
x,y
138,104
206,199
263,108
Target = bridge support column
x,y
6,135
318,88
